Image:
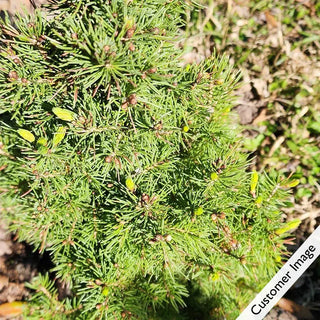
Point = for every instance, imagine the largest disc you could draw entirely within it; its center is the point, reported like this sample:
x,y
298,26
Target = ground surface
x,y
17,265
20,5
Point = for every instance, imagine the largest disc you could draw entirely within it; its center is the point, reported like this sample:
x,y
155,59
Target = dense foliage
x,y
276,46
122,163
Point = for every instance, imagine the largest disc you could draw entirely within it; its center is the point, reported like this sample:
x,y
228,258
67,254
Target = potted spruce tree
x,y
123,164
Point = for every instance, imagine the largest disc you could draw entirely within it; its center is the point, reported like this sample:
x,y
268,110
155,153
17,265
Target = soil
x,y
279,314
14,6
16,266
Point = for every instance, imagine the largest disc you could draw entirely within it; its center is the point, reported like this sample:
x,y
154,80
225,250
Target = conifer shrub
x,y
123,164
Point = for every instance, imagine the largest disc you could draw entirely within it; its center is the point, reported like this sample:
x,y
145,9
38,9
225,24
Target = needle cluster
x,y
121,162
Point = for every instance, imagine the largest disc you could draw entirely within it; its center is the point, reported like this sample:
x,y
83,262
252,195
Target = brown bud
x,y
143,76
131,47
106,49
41,39
123,314
13,75
159,237
125,105
132,99
145,198
167,237
74,36
115,15
99,306
243,260
17,60
98,282
234,243
82,120
130,33
152,70
222,215
158,126
225,249
110,185
108,159
155,30
214,217
24,80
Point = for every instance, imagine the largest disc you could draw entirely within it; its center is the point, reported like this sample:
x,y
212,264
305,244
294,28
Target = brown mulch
x,y
14,6
17,266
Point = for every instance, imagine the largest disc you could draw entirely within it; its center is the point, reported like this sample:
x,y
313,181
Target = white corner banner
x,y
284,279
